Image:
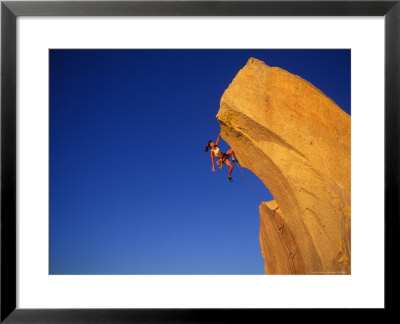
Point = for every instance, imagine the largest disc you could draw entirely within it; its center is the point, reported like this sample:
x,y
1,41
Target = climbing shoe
x,y
230,179
235,161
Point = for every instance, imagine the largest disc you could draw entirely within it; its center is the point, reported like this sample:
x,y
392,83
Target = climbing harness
x,y
290,254
220,163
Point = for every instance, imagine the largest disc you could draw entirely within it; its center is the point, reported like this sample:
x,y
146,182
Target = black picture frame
x,y
10,10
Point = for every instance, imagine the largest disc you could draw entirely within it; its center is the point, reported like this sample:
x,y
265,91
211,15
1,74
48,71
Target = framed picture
x,y
111,211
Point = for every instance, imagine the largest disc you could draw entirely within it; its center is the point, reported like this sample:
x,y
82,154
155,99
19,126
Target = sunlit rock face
x,y
297,141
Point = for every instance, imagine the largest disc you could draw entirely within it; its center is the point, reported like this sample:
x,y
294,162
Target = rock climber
x,y
223,158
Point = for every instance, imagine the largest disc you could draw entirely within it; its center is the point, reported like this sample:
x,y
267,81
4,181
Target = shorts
x,y
224,157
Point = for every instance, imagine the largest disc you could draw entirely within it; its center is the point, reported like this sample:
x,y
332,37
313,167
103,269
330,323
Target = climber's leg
x,y
229,153
234,159
229,164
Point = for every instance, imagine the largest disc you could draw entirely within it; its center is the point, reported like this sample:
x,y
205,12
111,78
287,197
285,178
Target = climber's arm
x,y
218,138
212,160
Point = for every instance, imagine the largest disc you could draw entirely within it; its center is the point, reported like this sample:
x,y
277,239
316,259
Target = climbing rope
x,y
249,184
290,254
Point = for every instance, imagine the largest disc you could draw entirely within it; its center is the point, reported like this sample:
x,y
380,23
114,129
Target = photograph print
x,y
199,162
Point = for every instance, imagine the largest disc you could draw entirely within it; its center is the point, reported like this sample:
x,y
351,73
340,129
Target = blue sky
x,y
131,188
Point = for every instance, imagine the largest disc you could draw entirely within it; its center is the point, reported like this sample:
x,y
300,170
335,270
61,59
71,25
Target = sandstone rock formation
x,y
297,141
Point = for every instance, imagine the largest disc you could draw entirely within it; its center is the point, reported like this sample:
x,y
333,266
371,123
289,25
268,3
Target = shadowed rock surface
x,y
298,142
